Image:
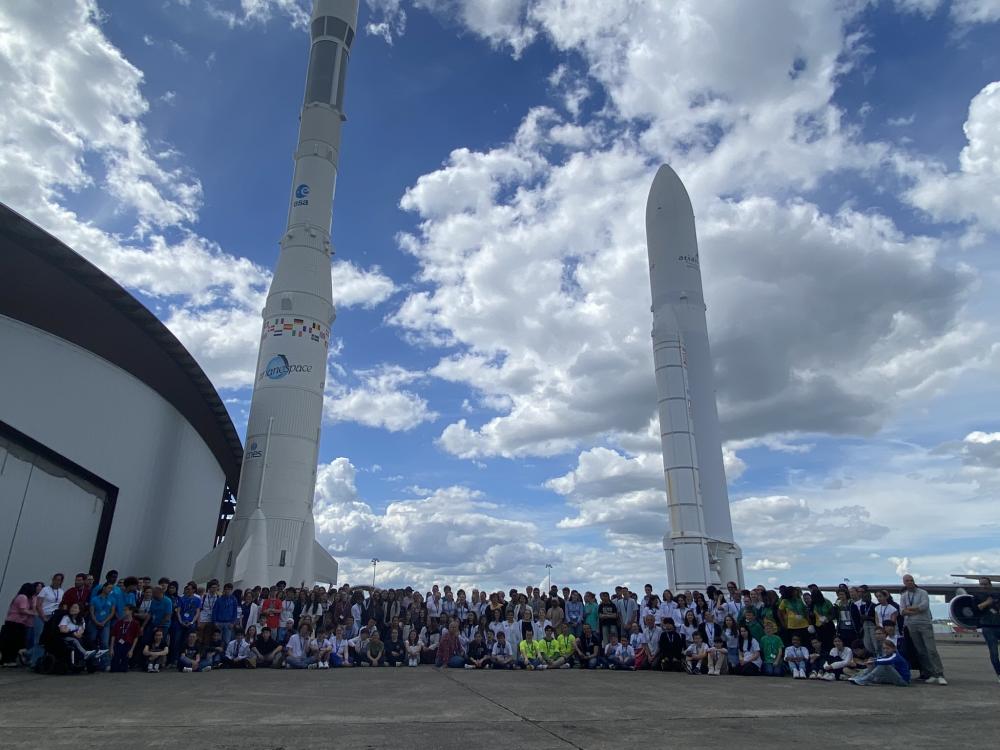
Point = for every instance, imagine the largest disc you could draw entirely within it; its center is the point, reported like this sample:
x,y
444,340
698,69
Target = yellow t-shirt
x,y
795,614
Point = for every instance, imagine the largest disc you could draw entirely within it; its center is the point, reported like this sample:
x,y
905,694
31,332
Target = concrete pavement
x,y
417,708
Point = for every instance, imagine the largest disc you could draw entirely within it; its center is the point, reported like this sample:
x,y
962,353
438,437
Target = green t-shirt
x,y
770,647
756,630
590,615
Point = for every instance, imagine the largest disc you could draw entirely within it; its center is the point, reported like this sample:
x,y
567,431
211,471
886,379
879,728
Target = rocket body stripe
x,y
287,403
700,547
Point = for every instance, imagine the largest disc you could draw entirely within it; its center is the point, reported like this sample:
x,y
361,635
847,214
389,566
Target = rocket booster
x,y
700,548
272,535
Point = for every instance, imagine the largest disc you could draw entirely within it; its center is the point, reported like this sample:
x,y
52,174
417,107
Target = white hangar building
x,y
115,449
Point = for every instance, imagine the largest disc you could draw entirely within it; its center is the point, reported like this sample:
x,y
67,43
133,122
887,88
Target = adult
x,y
916,608
79,594
20,616
49,598
889,669
450,652
989,607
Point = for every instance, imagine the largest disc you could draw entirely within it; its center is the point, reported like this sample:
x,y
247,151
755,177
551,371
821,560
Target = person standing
x,y
20,616
916,608
225,612
988,605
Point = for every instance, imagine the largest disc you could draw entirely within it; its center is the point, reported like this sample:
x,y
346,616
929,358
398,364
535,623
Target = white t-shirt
x,y
667,609
749,649
299,647
50,598
884,613
797,654
696,649
71,627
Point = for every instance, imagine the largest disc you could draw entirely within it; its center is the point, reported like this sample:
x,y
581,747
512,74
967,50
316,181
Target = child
x,y
750,661
718,656
338,656
771,647
156,651
268,651
239,653
476,656
889,669
797,658
840,657
189,659
324,647
696,655
215,651
375,656
413,649
125,634
528,648
394,650
502,653
815,659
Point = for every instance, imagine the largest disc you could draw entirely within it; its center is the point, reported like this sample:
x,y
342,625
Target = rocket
x,y
699,546
272,534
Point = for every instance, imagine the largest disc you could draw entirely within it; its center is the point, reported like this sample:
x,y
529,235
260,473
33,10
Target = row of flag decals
x,y
297,327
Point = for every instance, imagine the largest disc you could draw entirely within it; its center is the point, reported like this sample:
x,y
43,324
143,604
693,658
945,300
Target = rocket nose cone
x,y
344,9
668,199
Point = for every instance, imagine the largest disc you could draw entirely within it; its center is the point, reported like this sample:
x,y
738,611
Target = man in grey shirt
x,y
916,608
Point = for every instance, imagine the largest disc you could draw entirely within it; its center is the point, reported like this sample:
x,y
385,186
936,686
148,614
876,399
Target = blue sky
x,y
490,397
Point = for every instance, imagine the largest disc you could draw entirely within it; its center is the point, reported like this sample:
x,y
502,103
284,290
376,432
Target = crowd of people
x,y
118,625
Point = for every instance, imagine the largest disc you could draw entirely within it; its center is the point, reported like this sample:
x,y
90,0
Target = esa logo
x,y
301,196
253,451
278,367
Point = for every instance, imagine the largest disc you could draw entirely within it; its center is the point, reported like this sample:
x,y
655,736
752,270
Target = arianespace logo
x,y
253,451
301,195
279,366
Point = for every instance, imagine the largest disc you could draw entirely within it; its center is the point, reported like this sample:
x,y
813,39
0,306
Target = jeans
x,y
184,663
734,656
922,637
772,670
606,630
992,637
880,674
226,628
868,636
299,662
456,662
119,662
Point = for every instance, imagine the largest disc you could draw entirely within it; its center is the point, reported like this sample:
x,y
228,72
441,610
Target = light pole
x,y
375,562
549,566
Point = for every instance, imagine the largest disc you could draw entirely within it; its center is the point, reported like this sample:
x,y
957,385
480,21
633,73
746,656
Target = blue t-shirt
x,y
100,607
160,611
897,662
188,606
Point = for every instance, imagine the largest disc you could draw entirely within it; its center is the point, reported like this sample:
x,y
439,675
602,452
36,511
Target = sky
x,y
490,404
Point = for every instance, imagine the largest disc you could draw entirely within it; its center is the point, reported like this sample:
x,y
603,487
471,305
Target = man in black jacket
x,y
672,645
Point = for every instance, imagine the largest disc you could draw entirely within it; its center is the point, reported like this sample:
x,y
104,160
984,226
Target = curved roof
x,y
47,285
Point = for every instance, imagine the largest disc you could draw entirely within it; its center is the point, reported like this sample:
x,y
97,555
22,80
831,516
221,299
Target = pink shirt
x,y
20,611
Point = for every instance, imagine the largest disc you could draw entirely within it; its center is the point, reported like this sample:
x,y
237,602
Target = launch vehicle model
x,y
272,536
699,546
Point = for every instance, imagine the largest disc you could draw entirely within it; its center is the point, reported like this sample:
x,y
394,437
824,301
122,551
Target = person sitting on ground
x,y
530,658
619,654
413,649
750,661
476,655
189,659
156,651
324,647
450,652
651,633
239,653
836,661
215,649
268,651
696,655
587,648
890,669
551,652
502,654
672,648
300,653
816,658
357,647
566,643
772,648
375,654
395,649
797,659
718,656
859,659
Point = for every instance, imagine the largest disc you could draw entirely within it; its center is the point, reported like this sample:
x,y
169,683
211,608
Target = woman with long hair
x,y
749,654
731,637
689,626
20,616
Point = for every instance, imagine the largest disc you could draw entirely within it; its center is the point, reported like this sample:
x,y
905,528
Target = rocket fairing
x,y
272,535
699,547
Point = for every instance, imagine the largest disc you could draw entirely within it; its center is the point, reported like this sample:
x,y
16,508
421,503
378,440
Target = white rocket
x,y
700,549
272,536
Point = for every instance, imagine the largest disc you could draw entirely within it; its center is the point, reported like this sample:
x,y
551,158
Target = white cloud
x,y
380,400
767,564
262,11
973,192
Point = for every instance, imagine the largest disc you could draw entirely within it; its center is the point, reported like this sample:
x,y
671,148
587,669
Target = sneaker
x,y
829,677
156,667
89,654
931,681
543,666
187,669
942,681
206,669
531,667
814,676
469,666
566,666
149,668
313,666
